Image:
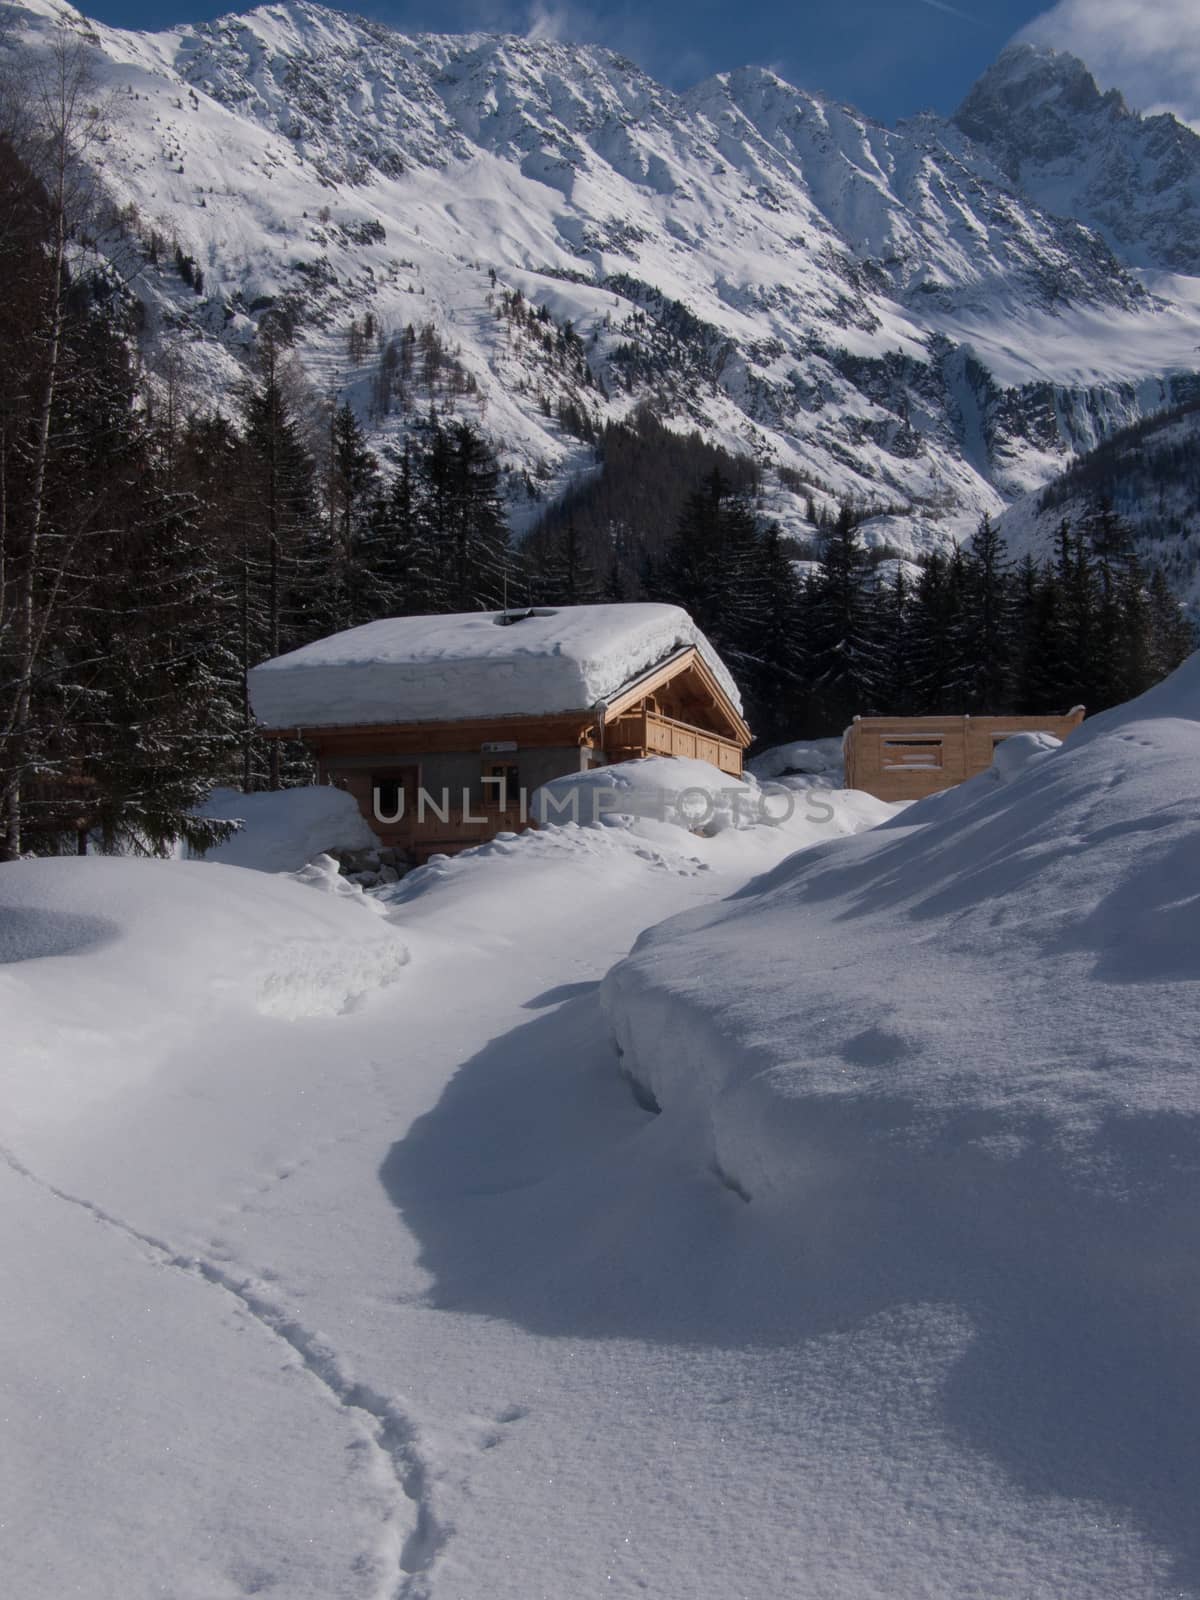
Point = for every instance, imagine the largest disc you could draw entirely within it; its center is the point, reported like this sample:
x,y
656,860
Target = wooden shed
x,y
906,758
443,727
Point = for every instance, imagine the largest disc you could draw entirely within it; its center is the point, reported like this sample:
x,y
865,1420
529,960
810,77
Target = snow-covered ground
x,y
233,1358
344,1256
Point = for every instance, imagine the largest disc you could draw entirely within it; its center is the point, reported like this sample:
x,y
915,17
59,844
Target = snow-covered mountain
x,y
880,313
1084,154
1150,474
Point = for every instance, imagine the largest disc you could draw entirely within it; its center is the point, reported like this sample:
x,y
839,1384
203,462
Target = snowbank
x,y
106,962
952,1062
282,832
434,668
1055,905
684,793
817,761
659,795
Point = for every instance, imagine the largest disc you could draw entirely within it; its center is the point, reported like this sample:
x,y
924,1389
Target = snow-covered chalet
x,y
442,727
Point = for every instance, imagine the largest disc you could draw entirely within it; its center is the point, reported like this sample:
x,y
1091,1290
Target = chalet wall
x,y
454,772
907,758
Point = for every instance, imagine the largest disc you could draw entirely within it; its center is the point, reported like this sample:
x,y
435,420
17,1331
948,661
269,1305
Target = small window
x,y
501,782
392,793
902,753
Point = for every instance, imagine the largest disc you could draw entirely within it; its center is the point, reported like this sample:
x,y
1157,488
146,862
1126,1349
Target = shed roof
x,y
474,664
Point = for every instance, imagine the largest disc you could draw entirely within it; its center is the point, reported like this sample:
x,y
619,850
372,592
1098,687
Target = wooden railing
x,y
659,735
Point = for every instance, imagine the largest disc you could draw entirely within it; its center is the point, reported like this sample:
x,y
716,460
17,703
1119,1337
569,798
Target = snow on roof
x,y
477,664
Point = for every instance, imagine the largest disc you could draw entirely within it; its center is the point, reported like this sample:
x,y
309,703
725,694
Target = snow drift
x,y
688,794
1021,952
106,963
952,1063
284,830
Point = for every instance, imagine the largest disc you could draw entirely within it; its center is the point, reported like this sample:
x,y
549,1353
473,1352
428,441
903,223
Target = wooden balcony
x,y
650,733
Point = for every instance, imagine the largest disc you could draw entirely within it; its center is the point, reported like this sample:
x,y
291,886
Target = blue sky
x,y
890,57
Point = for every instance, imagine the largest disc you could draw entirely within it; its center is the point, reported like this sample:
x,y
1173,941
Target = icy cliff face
x,y
881,313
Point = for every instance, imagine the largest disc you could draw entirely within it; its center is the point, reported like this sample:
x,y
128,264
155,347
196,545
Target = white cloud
x,y
1149,49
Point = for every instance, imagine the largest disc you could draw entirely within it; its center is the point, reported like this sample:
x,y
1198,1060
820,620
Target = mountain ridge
x,y
874,314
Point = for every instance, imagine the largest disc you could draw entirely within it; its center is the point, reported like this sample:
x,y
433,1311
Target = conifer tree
x,y
693,573
842,630
1136,657
559,571
406,573
1174,637
987,623
936,636
896,646
463,518
774,662
50,133
278,516
158,686
351,493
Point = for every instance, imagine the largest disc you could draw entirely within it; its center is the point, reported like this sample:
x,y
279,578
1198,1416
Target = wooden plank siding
x,y
907,758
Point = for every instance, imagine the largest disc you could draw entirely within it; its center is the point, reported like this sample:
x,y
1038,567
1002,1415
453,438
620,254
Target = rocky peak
x,y
1081,152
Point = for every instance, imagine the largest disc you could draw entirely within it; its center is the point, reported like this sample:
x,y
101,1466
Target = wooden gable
x,y
678,708
686,689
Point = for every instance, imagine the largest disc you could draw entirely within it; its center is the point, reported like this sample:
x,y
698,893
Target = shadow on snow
x,y
542,1193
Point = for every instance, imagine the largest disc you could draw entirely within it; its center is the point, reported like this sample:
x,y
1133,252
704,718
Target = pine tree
x,y
50,133
404,565
1048,664
460,511
1081,670
1136,658
351,492
939,674
774,662
279,575
160,703
987,623
1174,636
693,573
843,634
559,571
896,646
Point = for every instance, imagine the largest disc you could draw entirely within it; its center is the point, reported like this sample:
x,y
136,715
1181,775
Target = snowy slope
x,y
1151,476
420,1297
953,1061
876,310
